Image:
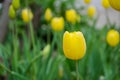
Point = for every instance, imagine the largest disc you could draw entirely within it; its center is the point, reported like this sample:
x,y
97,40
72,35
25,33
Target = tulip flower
x,y
12,13
115,4
113,38
91,11
27,15
105,4
48,14
16,4
87,1
74,45
57,23
71,16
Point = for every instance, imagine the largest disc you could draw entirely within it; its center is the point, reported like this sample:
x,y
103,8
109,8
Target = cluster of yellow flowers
x,y
27,14
71,50
57,23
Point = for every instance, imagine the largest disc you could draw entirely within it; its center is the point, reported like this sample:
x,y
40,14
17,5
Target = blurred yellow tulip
x,y
57,23
48,14
113,38
74,45
27,15
12,13
71,16
87,1
105,4
16,4
115,4
91,11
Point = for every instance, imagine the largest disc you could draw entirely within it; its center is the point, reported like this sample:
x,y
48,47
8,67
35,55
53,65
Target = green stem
x,y
13,73
32,62
107,18
77,72
34,49
48,35
32,35
15,46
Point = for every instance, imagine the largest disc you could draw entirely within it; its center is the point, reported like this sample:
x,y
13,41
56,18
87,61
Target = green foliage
x,y
23,57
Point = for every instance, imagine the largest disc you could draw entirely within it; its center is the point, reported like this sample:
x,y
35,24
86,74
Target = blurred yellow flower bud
x,y
27,15
87,1
113,38
115,4
48,14
78,18
74,45
71,15
57,23
12,13
105,4
16,4
60,71
91,11
46,51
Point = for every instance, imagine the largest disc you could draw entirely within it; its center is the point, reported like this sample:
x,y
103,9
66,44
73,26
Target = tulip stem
x,y
48,35
77,72
107,18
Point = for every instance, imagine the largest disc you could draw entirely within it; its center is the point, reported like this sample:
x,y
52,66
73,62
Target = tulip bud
x,y
27,15
48,14
105,4
78,18
57,23
71,16
16,4
12,13
91,11
46,51
115,4
87,1
113,38
74,45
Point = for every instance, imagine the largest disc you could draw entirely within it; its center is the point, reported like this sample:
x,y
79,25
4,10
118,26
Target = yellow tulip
x,y
74,45
87,1
57,23
115,4
91,11
48,14
27,15
71,15
113,38
16,4
105,4
12,13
